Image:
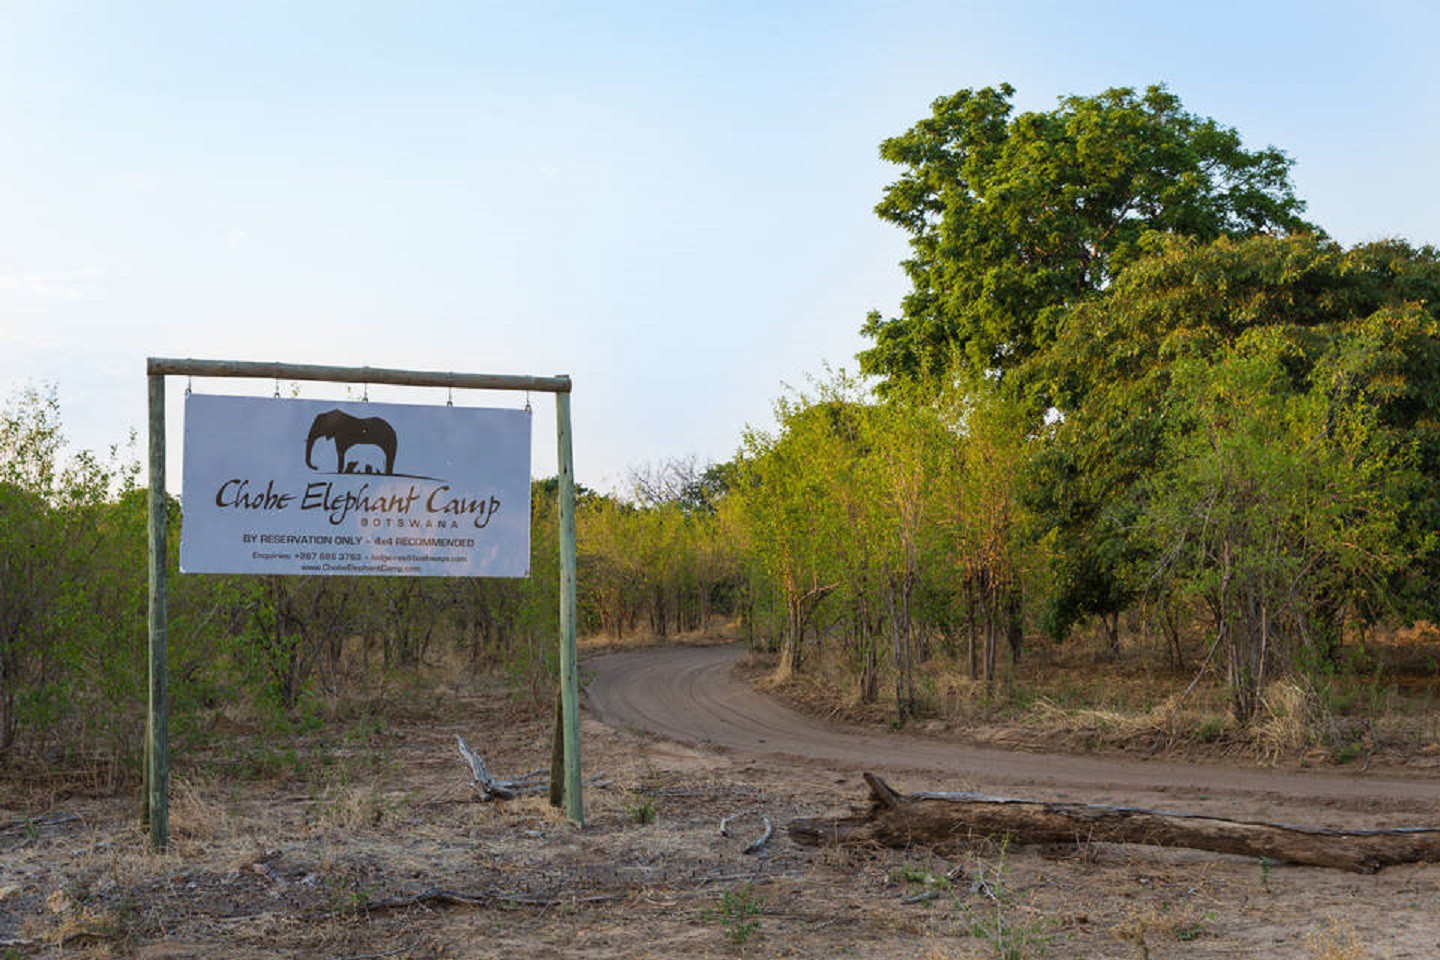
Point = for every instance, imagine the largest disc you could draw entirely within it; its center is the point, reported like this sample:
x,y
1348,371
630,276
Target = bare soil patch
x,y
346,848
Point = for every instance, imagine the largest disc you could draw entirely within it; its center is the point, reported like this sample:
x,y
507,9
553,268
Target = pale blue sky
x,y
671,202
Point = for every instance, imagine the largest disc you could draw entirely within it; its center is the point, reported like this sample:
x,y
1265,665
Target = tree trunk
x,y
972,632
706,585
1014,625
866,650
1111,621
898,597
900,821
990,654
1169,623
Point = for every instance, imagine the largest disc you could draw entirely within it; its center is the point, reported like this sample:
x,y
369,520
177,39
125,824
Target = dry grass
x,y
341,810
195,814
1129,715
1338,941
823,688
944,951
1080,697
1420,633
532,812
719,630
1289,714
1159,925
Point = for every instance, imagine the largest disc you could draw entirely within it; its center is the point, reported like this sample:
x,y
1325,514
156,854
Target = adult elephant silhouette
x,y
347,432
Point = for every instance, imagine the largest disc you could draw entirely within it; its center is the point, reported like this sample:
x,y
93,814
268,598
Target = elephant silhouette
x,y
347,431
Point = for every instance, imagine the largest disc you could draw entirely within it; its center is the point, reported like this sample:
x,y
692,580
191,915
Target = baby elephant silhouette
x,y
347,432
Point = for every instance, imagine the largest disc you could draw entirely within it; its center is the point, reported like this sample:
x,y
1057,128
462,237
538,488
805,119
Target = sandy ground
x,y
367,842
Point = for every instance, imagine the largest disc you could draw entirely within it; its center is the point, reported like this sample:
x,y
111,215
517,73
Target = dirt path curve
x,y
689,694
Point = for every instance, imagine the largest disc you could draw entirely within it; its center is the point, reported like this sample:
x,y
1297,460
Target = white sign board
x,y
354,488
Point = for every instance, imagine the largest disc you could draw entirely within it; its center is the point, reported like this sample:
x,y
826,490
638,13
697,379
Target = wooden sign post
x,y
157,748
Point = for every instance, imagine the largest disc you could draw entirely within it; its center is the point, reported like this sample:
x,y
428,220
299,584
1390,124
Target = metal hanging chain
x,y
277,388
189,382
527,401
365,394
449,396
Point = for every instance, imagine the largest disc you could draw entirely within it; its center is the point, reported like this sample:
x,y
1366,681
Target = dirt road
x,y
689,694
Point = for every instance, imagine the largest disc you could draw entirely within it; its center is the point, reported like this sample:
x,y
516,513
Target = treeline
x,y
74,595
273,649
1128,381
1236,449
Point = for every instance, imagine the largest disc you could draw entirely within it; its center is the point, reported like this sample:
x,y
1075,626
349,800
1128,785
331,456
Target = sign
x,y
354,488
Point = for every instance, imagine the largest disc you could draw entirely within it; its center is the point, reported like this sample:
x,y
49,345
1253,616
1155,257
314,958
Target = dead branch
x,y
35,824
453,898
494,788
899,821
765,836
726,821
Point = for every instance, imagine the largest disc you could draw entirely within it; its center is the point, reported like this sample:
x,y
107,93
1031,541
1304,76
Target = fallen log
x,y
894,820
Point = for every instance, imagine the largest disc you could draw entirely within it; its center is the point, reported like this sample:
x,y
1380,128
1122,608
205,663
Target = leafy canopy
x,y
1356,327
1013,218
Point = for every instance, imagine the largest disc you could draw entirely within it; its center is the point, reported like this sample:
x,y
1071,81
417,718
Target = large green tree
x,y
1185,305
1012,218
